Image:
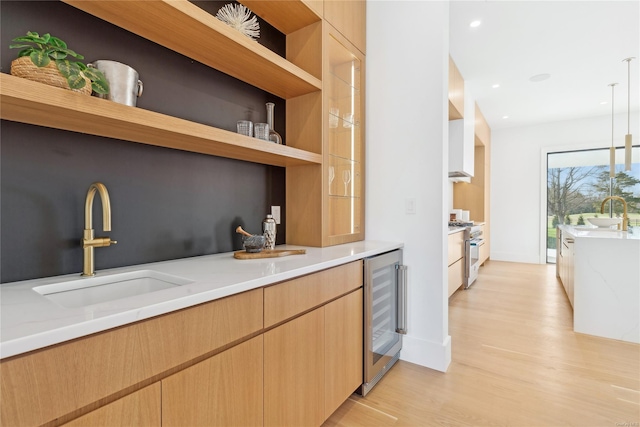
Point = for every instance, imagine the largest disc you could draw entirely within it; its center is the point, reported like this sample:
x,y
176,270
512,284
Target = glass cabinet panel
x,y
344,140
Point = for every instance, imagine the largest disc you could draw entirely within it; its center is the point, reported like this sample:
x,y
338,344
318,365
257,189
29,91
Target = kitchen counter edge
x,y
600,233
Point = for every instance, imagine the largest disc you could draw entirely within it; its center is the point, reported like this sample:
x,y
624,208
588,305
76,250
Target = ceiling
x,y
581,44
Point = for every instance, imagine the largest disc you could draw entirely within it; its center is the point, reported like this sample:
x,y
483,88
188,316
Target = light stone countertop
x,y
601,233
31,321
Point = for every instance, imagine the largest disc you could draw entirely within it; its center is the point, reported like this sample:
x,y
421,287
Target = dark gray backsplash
x,y
166,203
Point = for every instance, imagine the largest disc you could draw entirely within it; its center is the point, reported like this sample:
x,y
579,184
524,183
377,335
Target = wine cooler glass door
x,y
382,341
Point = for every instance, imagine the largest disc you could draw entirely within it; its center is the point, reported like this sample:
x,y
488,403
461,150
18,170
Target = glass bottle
x,y
273,135
269,230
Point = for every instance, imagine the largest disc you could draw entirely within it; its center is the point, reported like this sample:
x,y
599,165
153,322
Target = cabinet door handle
x,y
401,275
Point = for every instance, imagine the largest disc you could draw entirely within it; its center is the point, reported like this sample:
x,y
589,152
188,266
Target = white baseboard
x,y
433,355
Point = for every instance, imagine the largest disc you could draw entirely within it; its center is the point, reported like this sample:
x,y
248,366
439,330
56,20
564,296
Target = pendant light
x,y
627,137
612,149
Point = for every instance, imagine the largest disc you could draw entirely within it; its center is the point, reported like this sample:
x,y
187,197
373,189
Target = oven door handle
x,y
467,259
401,281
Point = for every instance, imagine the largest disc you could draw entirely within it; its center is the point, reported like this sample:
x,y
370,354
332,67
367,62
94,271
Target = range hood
x,y
462,141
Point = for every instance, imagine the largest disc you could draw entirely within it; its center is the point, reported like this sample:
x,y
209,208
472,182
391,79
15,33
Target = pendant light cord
x,y
613,85
612,149
628,94
628,138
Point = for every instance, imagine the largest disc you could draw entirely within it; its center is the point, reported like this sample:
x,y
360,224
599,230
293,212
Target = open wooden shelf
x,y
286,16
185,28
35,103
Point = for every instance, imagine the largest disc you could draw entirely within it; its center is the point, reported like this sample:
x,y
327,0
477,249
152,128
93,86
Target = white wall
x,y
518,178
406,157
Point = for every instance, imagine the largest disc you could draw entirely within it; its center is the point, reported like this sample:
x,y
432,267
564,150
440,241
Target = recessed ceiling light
x,y
539,77
505,117
495,86
475,24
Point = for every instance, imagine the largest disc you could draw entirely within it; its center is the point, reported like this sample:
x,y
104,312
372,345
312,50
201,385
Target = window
x,y
578,181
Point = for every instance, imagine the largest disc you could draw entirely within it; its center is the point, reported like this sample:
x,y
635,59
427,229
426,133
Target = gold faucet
x,y
625,218
88,240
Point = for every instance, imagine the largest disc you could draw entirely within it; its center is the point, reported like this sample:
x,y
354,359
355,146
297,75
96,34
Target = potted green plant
x,y
50,55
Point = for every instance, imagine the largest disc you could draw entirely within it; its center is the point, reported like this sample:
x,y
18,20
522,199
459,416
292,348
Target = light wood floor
x,y
516,362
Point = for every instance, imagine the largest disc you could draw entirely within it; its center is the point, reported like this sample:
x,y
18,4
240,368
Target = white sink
x,y
83,292
604,221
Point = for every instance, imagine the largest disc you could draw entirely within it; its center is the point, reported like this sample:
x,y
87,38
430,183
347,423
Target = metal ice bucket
x,y
124,85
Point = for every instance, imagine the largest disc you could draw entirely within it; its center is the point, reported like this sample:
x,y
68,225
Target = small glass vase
x,y
273,135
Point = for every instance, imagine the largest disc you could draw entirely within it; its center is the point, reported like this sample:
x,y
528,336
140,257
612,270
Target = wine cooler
x,y
385,286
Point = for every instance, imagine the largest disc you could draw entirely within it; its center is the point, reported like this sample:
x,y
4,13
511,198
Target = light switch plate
x,y
275,211
410,206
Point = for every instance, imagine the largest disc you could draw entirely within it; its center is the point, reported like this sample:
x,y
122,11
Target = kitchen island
x,y
600,270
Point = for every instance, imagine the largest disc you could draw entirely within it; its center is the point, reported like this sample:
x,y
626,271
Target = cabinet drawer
x,y
46,384
456,276
287,299
456,247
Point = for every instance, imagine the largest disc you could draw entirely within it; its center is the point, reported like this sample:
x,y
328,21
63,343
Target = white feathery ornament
x,y
239,17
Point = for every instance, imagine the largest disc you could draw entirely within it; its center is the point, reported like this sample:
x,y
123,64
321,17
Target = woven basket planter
x,y
49,74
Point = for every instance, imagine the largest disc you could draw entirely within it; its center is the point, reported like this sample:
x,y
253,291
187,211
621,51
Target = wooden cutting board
x,y
268,253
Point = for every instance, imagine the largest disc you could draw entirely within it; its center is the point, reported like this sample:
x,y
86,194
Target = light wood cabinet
x,y
482,130
455,259
344,139
294,372
288,299
325,205
455,247
140,408
570,273
313,363
565,264
349,18
483,252
213,364
343,349
455,276
224,390
97,367
456,92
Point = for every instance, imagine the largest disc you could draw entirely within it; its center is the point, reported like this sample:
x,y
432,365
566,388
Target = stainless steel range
x,y
473,240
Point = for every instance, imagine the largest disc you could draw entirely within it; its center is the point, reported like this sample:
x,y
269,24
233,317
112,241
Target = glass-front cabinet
x,y
343,154
325,203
